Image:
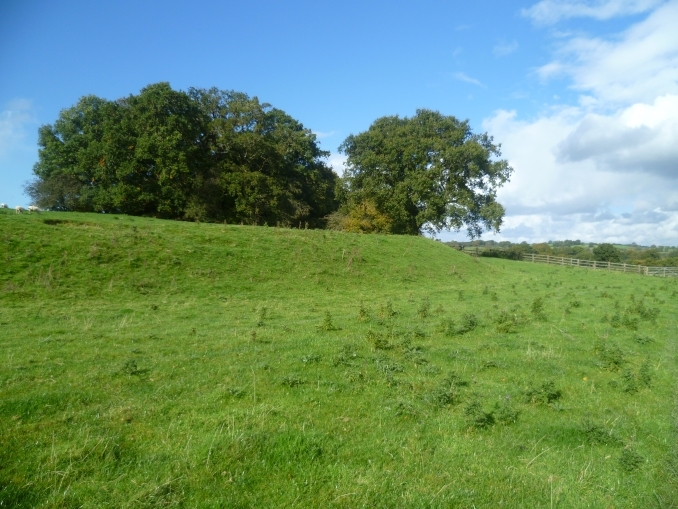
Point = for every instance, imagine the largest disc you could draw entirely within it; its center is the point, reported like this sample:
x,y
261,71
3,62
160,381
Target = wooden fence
x,y
609,266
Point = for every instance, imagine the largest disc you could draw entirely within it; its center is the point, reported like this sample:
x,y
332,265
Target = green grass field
x,y
149,363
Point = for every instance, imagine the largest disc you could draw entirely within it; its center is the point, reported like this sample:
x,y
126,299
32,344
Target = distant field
x,y
149,363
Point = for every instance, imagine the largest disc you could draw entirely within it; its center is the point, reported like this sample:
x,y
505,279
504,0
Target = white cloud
x,y
505,48
336,161
555,197
548,12
467,79
637,66
642,139
605,168
13,122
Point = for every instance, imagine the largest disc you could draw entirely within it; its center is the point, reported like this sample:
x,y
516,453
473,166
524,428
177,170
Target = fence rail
x,y
609,266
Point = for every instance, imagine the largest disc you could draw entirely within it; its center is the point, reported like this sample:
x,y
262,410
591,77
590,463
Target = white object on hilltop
x,y
3,206
19,209
33,208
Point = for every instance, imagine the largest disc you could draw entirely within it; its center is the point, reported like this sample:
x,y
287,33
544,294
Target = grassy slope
x,y
139,369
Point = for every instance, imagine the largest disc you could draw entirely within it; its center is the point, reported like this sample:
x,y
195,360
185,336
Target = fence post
x,y
594,264
624,267
608,266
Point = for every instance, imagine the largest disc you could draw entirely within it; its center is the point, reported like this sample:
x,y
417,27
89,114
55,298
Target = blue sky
x,y
583,95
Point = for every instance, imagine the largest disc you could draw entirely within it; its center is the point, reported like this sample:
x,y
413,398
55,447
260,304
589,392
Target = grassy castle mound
x,y
156,363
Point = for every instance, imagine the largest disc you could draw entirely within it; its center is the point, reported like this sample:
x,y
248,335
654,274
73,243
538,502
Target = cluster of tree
x,y
211,155
201,155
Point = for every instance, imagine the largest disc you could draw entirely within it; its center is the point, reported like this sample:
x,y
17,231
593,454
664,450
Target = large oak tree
x,y
429,172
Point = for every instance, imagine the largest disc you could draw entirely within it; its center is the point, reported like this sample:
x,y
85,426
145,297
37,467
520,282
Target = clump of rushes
x,y
630,460
544,394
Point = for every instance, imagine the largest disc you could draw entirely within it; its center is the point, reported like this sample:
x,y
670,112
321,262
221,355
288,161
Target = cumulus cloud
x,y
605,168
642,138
636,66
549,12
551,196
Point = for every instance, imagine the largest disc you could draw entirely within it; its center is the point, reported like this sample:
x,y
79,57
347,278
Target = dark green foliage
x,y
467,323
506,321
378,341
544,394
505,413
204,155
610,355
606,253
130,367
476,417
426,172
630,460
629,381
537,309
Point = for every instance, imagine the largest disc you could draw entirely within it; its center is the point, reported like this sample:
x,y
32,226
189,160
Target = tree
x,y
606,253
205,155
425,173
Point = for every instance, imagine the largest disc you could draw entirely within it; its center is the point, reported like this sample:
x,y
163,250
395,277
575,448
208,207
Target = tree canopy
x,y
606,253
203,155
429,172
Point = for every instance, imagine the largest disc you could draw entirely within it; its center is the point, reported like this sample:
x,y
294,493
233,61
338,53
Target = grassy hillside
x,y
149,363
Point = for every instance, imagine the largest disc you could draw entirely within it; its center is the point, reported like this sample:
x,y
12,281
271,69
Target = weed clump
x,y
611,357
311,359
386,310
424,309
468,322
597,434
327,324
130,368
447,392
506,322
346,356
292,381
262,316
630,382
505,413
543,394
378,341
406,410
363,313
476,417
537,309
630,460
